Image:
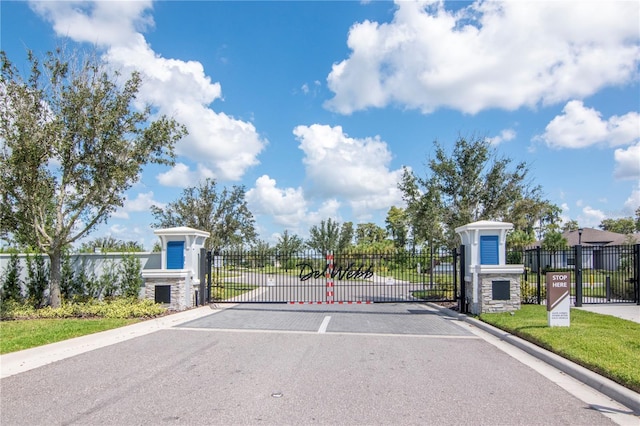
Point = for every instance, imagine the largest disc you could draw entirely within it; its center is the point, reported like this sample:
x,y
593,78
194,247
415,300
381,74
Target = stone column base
x,y
181,293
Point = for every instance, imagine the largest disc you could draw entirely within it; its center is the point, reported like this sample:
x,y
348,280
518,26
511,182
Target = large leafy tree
x,y
471,183
222,213
72,142
397,226
289,243
532,214
369,233
570,225
624,225
345,241
424,209
324,237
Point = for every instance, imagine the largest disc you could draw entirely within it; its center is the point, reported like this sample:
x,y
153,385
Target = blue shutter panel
x,y
488,249
175,255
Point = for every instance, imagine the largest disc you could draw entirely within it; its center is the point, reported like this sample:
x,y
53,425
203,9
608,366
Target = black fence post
x,y
538,273
578,273
636,272
203,277
455,273
208,299
462,300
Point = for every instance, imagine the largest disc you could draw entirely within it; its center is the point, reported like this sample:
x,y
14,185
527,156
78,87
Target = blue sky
x,y
315,107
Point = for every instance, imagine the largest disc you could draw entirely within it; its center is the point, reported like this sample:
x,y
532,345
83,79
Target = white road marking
x,y
324,325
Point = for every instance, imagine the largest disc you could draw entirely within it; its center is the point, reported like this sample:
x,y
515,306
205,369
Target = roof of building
x,y
596,237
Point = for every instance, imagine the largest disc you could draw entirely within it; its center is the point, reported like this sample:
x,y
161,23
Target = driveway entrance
x,y
394,319
391,364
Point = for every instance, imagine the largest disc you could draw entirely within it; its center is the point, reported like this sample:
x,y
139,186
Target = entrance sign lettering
x,y
307,272
558,299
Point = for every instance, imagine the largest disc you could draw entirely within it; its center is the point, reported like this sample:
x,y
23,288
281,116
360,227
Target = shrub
x,y
529,292
130,276
67,278
11,282
117,308
217,293
81,283
37,280
108,281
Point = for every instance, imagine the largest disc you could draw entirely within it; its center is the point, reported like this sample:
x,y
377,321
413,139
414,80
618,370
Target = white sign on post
x,y
558,299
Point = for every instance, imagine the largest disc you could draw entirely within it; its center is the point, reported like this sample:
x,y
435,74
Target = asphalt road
x,y
289,364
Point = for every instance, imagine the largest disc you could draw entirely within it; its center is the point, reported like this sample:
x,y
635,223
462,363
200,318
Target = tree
x,y
470,184
73,143
519,239
369,233
571,225
397,226
554,241
638,219
345,241
288,247
289,243
223,214
324,238
424,209
532,214
625,225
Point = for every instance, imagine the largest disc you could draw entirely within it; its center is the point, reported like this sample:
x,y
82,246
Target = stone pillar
x,y
177,280
491,284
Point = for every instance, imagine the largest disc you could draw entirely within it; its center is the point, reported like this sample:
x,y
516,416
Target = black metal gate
x,y
599,275
333,278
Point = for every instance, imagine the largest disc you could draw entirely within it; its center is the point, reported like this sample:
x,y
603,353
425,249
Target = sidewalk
x,y
626,311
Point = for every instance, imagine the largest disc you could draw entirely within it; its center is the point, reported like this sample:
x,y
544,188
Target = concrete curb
x,y
606,386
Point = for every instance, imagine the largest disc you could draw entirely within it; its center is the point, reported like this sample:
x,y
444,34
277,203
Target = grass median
x,y
605,344
24,334
24,327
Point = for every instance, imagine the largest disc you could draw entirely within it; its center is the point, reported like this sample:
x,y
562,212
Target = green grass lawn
x,y
24,334
231,290
607,345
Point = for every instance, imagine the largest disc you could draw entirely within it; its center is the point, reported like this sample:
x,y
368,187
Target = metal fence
x,y
606,274
341,277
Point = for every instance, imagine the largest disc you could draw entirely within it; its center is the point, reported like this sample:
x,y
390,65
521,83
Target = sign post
x,y
558,299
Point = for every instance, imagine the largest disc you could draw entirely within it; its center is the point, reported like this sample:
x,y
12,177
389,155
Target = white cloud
x,y
118,229
633,202
591,217
180,89
627,163
102,23
142,203
356,170
505,136
287,207
580,127
182,176
497,54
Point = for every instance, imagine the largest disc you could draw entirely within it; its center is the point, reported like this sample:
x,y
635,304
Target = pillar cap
x,y
485,224
181,230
